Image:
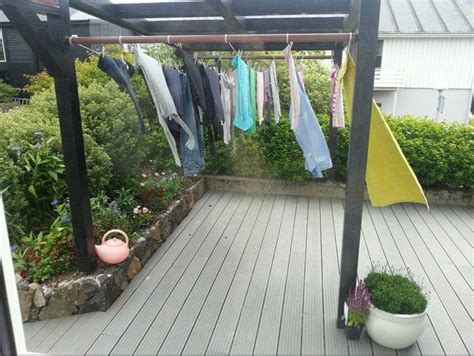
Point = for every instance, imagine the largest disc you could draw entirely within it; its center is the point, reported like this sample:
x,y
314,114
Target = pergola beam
x,y
107,13
237,24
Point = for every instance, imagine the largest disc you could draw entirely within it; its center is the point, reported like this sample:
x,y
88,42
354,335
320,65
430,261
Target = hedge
x,y
439,153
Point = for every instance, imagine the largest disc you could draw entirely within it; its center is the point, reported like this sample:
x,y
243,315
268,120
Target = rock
x,y
108,292
61,302
134,267
39,300
26,302
189,197
47,291
21,284
34,312
199,190
119,278
88,287
141,249
34,286
17,278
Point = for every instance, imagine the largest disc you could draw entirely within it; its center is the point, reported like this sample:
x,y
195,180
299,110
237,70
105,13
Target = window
x,y
3,57
378,60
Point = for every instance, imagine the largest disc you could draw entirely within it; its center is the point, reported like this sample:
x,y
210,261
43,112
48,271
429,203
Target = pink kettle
x,y
113,251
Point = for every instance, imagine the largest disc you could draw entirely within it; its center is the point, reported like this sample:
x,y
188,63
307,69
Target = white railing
x,y
389,80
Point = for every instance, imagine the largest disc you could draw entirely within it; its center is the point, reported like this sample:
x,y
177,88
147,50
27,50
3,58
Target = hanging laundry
x,y
308,132
275,92
267,97
164,104
389,177
227,96
243,116
253,100
197,91
215,112
301,77
337,102
120,72
260,97
193,159
294,90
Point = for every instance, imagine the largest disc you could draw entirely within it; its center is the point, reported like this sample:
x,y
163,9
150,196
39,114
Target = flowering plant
x,y
358,303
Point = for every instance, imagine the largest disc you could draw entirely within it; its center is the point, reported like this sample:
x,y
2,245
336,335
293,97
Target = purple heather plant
x,y
358,303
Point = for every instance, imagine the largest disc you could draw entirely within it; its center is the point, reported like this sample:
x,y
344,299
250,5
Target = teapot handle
x,y
115,231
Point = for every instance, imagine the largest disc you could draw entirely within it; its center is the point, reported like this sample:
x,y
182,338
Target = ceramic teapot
x,y
113,251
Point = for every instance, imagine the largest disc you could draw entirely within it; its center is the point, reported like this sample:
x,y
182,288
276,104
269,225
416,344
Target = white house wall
x,y
431,62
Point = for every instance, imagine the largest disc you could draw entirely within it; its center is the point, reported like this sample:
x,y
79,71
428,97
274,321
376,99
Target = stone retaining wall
x,y
97,291
319,189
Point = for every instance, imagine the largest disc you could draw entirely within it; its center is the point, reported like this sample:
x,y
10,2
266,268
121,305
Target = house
x,y
425,64
18,60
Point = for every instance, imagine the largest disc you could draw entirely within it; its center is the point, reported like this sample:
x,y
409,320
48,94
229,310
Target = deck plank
x,y
259,274
217,292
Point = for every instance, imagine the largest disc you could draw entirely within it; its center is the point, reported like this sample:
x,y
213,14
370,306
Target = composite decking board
x,y
245,304
335,339
458,223
427,344
455,255
45,331
199,228
57,334
219,276
464,216
252,233
270,320
436,260
463,245
248,325
448,334
154,331
238,270
469,210
292,317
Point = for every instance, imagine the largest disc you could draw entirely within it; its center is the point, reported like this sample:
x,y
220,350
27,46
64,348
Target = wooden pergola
x,y
209,25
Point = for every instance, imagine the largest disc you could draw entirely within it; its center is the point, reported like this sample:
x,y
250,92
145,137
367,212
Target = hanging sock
x,y
119,72
165,107
267,98
243,116
308,133
389,177
275,92
294,90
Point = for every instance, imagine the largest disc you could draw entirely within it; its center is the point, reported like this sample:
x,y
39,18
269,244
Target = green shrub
x,y
7,92
395,293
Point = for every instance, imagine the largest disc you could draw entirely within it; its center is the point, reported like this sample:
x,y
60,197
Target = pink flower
x,y
157,174
135,211
142,184
143,175
145,210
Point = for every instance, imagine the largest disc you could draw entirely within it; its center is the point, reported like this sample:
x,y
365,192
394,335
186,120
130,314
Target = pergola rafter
x,y
210,17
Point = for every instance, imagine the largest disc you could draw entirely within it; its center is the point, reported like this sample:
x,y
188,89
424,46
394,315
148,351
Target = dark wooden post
x,y
47,41
358,147
332,142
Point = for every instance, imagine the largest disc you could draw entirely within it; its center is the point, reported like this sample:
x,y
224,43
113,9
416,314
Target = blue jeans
x,y
193,160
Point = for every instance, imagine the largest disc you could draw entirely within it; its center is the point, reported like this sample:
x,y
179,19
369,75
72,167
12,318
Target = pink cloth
x,y
260,96
294,90
337,103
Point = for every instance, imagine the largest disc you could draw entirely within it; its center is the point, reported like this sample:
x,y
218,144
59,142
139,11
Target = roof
x,y
75,16
442,17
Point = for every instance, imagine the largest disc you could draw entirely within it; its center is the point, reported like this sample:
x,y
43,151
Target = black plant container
x,y
353,332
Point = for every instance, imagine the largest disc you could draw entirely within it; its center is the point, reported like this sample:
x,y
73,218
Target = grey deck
x,y
259,274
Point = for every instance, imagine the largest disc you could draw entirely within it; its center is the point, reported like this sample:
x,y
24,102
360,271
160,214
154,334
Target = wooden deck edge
x,y
318,189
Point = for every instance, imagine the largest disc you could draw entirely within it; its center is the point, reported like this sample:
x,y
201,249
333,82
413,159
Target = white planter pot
x,y
395,331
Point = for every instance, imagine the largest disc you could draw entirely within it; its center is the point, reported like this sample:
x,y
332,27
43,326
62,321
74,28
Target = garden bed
x,y
76,293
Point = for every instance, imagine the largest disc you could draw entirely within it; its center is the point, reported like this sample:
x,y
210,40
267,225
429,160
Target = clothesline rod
x,y
223,38
264,57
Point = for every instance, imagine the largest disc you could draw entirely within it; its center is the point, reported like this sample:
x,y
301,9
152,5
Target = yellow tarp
x,y
389,176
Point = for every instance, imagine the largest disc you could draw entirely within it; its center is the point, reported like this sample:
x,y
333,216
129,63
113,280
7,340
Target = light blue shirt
x,y
311,138
243,115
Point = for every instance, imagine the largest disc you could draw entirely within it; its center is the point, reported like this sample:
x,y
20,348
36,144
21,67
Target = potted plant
x,y
399,308
357,309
